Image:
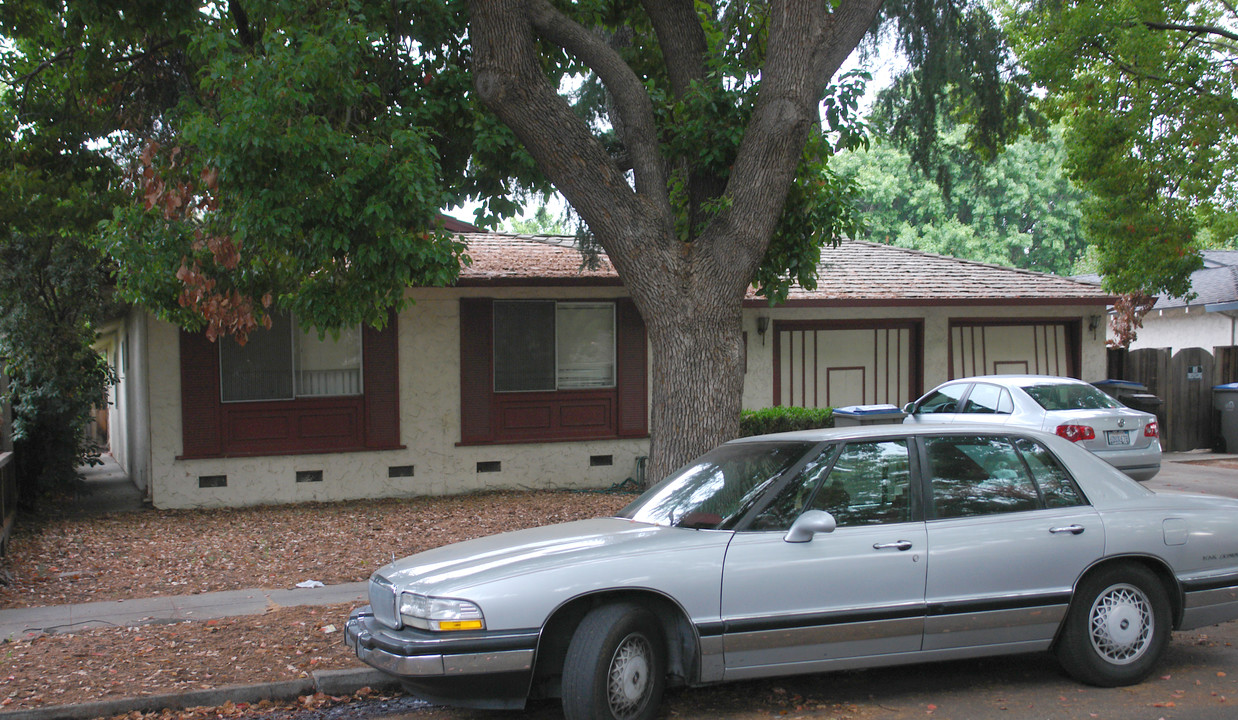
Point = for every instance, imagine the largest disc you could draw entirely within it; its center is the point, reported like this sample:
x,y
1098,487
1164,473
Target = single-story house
x,y
533,372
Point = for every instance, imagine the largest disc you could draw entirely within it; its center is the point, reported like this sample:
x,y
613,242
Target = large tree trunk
x,y
689,290
698,380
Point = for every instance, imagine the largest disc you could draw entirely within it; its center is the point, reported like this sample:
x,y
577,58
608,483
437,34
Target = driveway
x,y
1197,472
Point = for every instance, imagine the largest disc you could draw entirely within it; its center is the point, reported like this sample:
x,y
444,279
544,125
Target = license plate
x,y
1118,437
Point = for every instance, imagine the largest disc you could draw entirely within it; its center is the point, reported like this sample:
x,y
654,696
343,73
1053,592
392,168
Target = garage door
x,y
818,364
988,347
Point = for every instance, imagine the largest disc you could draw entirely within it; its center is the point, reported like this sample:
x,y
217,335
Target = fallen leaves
x,y
152,552
181,552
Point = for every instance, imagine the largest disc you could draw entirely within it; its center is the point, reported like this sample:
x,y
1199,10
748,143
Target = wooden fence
x,y
8,498
1184,382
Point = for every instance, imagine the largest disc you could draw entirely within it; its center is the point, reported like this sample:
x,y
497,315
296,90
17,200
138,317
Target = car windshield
x,y
716,489
1069,396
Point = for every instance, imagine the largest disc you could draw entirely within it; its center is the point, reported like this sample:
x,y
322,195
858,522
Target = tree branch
x,y
631,101
509,80
62,55
241,20
806,46
1197,29
681,39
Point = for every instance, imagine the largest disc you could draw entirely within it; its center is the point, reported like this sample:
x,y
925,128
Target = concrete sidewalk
x,y
23,622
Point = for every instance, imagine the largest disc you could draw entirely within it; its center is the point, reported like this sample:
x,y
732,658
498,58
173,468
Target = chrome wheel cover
x,y
627,687
1120,624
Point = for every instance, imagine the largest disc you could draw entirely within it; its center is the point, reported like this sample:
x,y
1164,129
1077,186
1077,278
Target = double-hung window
x,y
290,361
547,346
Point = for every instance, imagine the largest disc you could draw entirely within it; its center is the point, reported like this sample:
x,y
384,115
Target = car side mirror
x,y
909,408
809,524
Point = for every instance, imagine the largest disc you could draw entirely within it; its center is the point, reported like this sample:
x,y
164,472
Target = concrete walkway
x,y
107,489
24,622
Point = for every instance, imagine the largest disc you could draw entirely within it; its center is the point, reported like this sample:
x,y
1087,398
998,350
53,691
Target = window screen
x,y
261,369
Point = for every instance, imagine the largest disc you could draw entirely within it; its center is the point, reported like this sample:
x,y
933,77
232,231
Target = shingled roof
x,y
854,273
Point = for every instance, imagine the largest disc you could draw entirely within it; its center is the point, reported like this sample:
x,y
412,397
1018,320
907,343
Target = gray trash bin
x,y
1225,400
854,415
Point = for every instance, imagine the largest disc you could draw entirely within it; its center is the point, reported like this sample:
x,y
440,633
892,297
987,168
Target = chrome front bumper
x,y
423,656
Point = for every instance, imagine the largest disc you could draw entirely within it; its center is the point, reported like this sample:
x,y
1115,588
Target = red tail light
x,y
1151,430
1076,433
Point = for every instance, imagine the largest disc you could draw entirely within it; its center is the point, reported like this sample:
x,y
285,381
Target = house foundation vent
x,y
212,481
309,476
601,460
490,466
399,471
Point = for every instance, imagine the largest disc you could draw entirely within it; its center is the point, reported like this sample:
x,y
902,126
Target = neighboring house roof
x,y
856,272
1215,284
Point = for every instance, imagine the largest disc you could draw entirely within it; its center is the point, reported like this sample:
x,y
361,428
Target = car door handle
x,y
900,545
1072,529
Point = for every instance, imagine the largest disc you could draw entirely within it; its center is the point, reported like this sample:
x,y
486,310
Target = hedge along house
x,y
532,372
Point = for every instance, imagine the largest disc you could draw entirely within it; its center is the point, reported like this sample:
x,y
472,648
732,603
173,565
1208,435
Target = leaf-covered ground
x,y
182,552
153,552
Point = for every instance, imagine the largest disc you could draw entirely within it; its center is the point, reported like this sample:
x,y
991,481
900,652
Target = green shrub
x,y
784,419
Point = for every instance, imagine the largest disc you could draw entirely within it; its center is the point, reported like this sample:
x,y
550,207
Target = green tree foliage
x,y
959,67
1018,209
293,153
1146,92
542,223
52,300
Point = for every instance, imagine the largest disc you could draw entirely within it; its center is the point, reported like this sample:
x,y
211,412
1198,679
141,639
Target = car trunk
x,y
1114,429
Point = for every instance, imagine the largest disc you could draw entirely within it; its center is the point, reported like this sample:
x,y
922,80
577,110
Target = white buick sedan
x,y
810,552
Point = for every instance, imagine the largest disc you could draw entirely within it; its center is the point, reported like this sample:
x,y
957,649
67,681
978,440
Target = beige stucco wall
x,y
429,342
1179,328
429,335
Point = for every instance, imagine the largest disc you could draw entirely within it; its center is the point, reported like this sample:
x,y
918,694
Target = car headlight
x,y
439,614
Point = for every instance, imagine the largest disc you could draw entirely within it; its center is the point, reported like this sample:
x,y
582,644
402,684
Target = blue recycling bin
x,y
856,415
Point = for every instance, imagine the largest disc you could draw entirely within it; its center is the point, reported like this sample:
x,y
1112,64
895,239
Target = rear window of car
x,y
1069,396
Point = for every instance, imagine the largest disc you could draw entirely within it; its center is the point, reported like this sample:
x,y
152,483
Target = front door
x,y
856,591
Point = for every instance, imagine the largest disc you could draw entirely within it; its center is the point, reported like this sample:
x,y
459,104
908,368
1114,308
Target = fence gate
x,y
1184,381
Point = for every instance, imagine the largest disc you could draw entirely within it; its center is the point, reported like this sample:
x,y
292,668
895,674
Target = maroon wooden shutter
x,y
632,360
381,355
200,407
476,369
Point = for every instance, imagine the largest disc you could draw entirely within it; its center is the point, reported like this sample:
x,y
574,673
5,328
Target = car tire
x,y
615,666
1117,627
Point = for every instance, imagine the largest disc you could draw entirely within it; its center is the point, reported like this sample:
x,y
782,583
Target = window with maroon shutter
x,y
549,370
292,392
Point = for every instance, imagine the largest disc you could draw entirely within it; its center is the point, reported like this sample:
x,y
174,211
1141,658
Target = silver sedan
x,y
1126,438
810,552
